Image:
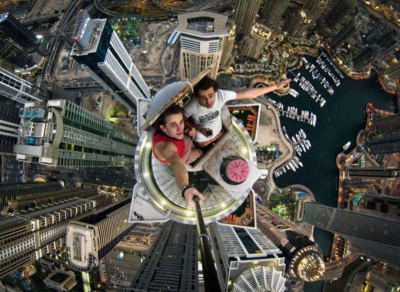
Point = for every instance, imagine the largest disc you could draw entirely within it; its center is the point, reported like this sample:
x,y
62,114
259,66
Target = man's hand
x,y
283,83
190,193
191,133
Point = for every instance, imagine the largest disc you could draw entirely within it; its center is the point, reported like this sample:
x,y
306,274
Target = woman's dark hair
x,y
172,110
205,84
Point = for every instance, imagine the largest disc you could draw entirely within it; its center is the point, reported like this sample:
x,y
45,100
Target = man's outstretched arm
x,y
181,173
257,91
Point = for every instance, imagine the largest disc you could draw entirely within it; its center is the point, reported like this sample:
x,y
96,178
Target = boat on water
x,y
291,166
303,133
298,161
346,146
306,144
294,140
303,147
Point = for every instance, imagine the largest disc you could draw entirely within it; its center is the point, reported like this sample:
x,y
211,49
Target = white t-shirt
x,y
208,118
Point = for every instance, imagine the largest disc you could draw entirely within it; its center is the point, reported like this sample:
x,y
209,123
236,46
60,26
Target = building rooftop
x,y
206,24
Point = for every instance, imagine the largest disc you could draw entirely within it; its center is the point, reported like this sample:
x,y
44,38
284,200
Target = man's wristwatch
x,y
184,188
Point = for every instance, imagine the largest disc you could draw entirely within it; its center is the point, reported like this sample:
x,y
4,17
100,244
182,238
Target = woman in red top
x,y
171,145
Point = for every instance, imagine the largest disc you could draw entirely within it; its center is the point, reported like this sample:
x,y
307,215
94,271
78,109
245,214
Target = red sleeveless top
x,y
180,144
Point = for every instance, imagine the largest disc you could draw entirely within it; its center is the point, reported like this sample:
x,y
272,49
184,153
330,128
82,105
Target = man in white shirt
x,y
204,111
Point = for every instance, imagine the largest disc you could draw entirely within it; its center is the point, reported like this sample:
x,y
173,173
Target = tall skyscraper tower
x,y
245,15
16,88
172,263
304,260
65,134
26,238
386,134
202,36
246,260
393,71
21,191
339,12
314,9
12,28
379,236
228,45
273,10
253,45
9,124
365,58
99,49
297,24
13,56
389,42
90,238
350,29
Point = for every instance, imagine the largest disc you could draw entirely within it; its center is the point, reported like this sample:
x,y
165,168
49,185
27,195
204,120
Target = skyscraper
x,y
228,45
65,134
246,260
172,262
101,52
13,191
9,124
253,45
393,71
364,59
26,238
90,238
379,236
350,29
297,24
385,137
16,88
314,9
389,42
12,28
338,12
245,15
14,56
202,36
303,258
273,10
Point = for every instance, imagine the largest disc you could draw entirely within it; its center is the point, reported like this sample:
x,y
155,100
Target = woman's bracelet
x,y
184,188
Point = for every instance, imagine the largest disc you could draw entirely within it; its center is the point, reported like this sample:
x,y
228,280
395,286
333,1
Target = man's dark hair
x,y
205,84
172,110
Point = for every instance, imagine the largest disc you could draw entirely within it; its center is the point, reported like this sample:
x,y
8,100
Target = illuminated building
x,y
273,10
172,262
65,134
12,28
16,88
227,51
365,58
9,124
385,137
101,52
90,238
297,24
245,15
253,45
389,42
314,9
246,260
304,260
374,172
377,235
14,56
350,29
338,12
202,37
10,192
26,238
393,71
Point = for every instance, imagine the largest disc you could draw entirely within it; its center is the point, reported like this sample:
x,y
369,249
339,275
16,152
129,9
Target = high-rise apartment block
x,y
338,12
393,71
65,134
90,238
297,24
12,28
26,238
16,88
172,262
245,15
202,37
353,27
253,45
227,51
246,260
101,52
12,56
273,10
364,59
386,134
9,124
378,236
314,9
